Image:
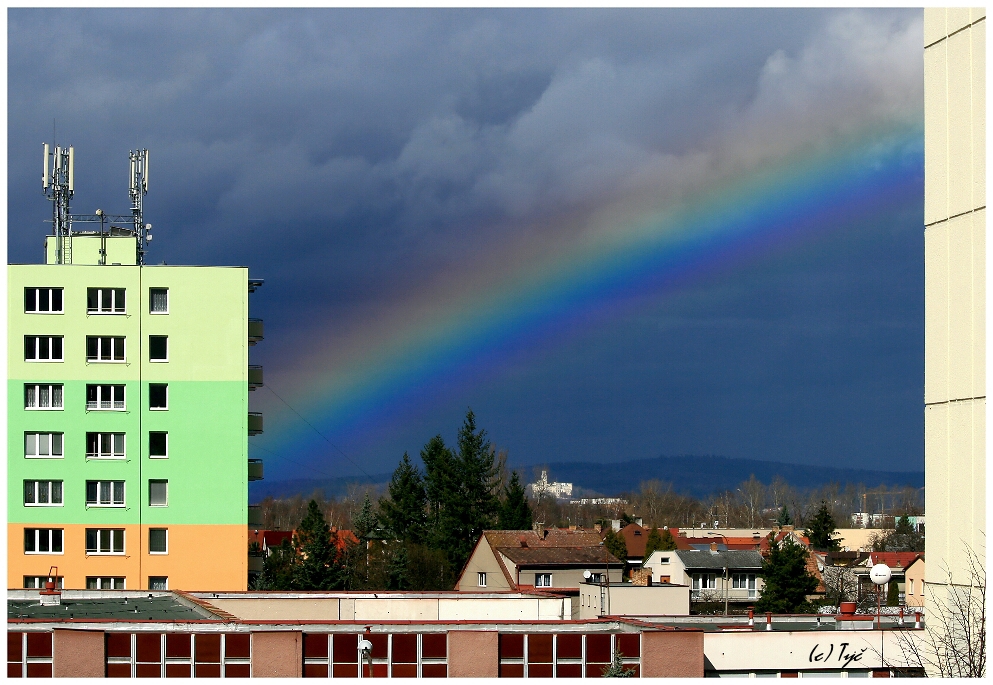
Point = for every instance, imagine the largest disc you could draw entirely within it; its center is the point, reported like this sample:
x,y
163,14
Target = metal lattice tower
x,y
138,183
58,187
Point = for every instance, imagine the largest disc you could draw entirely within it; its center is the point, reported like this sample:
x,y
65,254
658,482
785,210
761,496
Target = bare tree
x,y
953,644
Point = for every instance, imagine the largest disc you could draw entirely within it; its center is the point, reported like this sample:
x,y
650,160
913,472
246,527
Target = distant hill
x,y
700,476
693,475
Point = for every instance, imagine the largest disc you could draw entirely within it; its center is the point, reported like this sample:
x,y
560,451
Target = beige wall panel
x,y
936,493
487,610
936,313
935,135
979,114
280,609
934,24
956,18
78,653
277,655
961,473
396,609
979,302
962,313
960,162
979,476
473,654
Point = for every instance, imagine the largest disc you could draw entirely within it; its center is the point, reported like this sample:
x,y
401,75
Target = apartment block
x,y
128,420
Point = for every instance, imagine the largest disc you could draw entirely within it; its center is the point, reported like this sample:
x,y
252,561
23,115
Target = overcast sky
x,y
361,160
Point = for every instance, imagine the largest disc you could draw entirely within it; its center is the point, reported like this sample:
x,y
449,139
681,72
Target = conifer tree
x,y
892,594
653,543
365,521
278,568
668,541
784,517
787,581
404,513
515,513
397,567
316,567
439,478
616,668
615,544
821,530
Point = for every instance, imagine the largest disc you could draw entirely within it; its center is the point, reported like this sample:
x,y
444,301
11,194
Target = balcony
x,y
255,469
254,376
254,422
255,515
255,331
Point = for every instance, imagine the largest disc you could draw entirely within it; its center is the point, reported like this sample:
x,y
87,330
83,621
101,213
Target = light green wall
x,y
207,326
80,249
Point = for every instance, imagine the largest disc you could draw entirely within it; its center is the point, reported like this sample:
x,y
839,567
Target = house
x,y
635,536
898,563
913,575
552,558
714,575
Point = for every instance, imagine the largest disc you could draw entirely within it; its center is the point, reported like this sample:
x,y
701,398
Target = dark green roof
x,y
154,608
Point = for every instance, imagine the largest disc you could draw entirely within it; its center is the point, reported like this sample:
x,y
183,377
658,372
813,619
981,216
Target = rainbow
x,y
595,261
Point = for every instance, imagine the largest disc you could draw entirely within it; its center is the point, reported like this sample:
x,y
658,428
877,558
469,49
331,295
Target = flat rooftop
x,y
106,605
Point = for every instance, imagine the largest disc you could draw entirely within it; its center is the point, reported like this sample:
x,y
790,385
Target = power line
x,y
340,451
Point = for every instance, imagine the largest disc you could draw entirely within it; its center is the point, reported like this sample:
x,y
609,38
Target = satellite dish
x,y
587,575
880,574
365,646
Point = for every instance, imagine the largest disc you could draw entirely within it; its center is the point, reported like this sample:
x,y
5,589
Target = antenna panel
x,y
44,178
71,175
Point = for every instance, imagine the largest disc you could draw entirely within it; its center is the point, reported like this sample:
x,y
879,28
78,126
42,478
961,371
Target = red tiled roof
x,y
899,560
635,537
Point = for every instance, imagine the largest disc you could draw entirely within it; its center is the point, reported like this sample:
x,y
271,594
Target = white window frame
x,y
165,580
49,532
704,581
910,586
38,345
150,407
100,443
36,387
112,533
111,584
158,480
28,435
663,560
35,488
150,300
38,582
111,488
117,343
481,578
539,577
158,456
37,300
166,530
113,404
99,310
158,361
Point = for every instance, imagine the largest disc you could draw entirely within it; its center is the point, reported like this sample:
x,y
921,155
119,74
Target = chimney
x,y
598,528
641,577
539,528
524,541
713,547
51,596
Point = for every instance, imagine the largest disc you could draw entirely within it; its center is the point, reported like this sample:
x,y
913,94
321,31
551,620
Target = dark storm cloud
x,y
348,155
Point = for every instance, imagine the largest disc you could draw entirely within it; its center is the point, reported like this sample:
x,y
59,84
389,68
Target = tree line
x,y
415,537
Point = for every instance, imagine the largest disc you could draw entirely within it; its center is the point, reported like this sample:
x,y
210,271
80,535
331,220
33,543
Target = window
x,y
481,579
43,445
105,541
158,348
158,444
158,493
704,581
37,396
158,300
43,493
158,396
744,581
663,560
43,541
158,582
105,493
43,300
910,588
596,578
104,583
104,349
43,348
38,582
543,580
103,397
158,540
105,446
105,301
